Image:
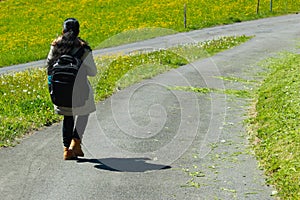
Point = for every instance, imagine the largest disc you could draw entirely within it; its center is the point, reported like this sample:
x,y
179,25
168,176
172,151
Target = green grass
x,y
275,125
26,106
28,27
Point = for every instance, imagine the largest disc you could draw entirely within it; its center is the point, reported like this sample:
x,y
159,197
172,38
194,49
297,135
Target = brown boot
x,y
76,147
68,154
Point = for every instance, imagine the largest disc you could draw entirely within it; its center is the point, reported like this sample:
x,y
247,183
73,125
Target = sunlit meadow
x,y
28,27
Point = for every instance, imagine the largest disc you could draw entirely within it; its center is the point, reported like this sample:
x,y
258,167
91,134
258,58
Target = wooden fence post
x,y
271,5
257,8
184,15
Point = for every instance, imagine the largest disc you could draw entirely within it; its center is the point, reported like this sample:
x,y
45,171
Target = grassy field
x,y
275,127
28,27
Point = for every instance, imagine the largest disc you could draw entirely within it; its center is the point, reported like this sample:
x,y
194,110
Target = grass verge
x,y
275,127
26,106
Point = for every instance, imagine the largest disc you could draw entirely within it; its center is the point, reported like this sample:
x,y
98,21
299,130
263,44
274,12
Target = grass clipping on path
x,y
276,125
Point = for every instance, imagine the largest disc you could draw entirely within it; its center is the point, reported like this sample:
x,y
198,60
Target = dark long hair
x,y
65,44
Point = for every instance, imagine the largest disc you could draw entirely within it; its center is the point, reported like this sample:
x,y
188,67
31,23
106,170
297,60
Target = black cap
x,y
71,24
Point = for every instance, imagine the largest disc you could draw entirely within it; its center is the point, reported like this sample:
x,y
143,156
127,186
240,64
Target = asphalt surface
x,y
155,141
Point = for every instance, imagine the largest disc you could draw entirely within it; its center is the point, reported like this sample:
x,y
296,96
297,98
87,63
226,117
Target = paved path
x,y
150,141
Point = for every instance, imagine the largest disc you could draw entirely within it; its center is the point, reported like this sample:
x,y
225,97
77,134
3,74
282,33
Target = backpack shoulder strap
x,y
78,52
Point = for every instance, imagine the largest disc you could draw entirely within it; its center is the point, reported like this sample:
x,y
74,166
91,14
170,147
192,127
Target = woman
x,y
75,119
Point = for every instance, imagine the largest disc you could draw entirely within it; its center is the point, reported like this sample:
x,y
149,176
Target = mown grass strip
x,y
28,27
25,104
275,127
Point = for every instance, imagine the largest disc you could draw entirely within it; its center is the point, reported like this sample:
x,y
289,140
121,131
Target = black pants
x,y
73,128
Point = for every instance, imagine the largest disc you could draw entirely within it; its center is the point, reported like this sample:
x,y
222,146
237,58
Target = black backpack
x,y
68,84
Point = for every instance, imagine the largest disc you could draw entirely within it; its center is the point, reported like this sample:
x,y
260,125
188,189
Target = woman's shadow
x,y
124,164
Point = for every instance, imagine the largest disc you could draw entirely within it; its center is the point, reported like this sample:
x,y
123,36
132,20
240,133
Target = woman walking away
x,y
75,117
